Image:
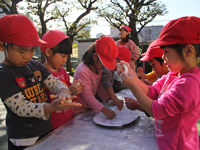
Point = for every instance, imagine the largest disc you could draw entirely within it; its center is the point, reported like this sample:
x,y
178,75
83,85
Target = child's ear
x,y
48,52
95,56
189,50
2,48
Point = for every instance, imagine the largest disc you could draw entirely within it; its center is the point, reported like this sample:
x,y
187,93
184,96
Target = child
x,y
126,41
154,56
177,108
100,55
108,75
56,52
22,84
148,78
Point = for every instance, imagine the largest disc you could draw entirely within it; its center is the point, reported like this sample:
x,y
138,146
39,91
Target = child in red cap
x,y
23,81
107,78
154,56
100,55
56,51
126,41
177,108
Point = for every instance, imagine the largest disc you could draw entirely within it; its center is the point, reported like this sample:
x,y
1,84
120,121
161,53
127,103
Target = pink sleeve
x,y
88,96
182,96
154,90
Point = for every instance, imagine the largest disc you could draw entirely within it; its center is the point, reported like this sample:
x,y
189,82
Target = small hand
x,y
139,70
127,80
131,103
119,103
77,87
58,105
63,101
110,114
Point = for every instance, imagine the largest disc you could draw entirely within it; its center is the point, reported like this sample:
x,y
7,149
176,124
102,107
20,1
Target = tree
x,y
9,6
134,13
77,29
59,12
42,9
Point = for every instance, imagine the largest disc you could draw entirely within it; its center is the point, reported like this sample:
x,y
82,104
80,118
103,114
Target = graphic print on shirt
x,y
21,82
33,89
94,83
158,128
159,123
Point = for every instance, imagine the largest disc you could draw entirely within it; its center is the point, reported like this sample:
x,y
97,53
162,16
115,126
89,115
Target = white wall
x,y
83,46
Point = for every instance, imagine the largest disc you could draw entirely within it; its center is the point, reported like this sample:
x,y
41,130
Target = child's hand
x,y
110,114
131,103
127,80
140,70
62,95
118,102
120,67
58,105
77,87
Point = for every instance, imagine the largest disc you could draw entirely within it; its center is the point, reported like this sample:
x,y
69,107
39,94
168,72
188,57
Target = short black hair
x,y
159,59
64,47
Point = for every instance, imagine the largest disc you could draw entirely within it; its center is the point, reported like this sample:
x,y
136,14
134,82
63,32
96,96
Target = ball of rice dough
x,y
68,101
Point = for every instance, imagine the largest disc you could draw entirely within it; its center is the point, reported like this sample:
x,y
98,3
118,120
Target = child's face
x,y
117,61
173,60
57,60
97,62
123,34
18,55
158,68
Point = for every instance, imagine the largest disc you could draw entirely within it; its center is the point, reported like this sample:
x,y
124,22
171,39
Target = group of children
x,y
39,97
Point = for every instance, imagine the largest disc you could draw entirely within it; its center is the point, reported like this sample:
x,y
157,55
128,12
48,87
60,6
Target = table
x,y
81,133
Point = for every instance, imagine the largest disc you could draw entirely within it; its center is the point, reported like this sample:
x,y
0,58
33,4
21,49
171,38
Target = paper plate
x,y
122,118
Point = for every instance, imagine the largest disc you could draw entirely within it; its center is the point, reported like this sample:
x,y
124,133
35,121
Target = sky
x,y
175,8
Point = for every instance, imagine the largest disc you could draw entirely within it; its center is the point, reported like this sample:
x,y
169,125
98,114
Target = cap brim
x,y
146,58
31,43
111,65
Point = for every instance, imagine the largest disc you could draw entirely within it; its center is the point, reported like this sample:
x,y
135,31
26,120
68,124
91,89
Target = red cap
x,y
185,30
152,52
126,27
53,38
124,53
107,51
18,29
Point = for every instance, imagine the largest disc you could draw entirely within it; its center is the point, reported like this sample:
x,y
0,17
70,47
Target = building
x,y
147,34
150,33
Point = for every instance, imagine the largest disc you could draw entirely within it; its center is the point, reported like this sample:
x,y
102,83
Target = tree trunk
x,y
134,35
68,64
14,7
